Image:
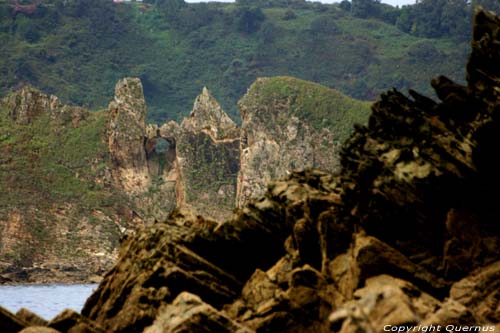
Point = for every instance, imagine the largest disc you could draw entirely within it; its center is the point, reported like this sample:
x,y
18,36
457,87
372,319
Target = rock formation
x,y
406,233
208,155
29,103
126,132
60,219
403,238
208,116
208,165
290,124
110,172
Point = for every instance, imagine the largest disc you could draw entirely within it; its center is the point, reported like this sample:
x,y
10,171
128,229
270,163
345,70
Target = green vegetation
x,y
316,104
78,49
48,163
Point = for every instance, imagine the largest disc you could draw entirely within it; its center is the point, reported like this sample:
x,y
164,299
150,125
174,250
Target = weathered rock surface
x,y
29,103
107,172
405,234
60,220
290,124
126,132
188,313
31,318
9,323
208,117
208,160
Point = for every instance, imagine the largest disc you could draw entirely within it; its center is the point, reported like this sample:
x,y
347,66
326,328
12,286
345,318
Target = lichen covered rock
x,y
28,103
405,234
290,124
126,133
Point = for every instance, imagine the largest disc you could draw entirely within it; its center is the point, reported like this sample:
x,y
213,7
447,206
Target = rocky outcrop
x,y
28,103
208,160
189,166
403,237
60,218
290,124
126,133
208,117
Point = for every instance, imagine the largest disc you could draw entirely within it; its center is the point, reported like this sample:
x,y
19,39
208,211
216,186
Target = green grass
x,y
317,105
49,163
79,55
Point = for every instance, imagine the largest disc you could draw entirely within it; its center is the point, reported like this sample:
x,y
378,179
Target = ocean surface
x,y
47,300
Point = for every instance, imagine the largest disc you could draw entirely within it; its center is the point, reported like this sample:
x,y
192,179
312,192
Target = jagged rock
x,y
28,103
71,321
131,294
383,301
285,132
126,133
31,318
208,160
480,292
450,313
208,117
10,323
188,313
39,329
189,253
313,253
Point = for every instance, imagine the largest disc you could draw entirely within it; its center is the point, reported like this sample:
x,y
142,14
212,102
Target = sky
x,y
391,2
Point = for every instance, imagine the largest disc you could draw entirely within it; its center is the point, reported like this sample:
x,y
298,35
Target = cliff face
x,y
126,132
290,124
60,218
405,234
209,166
107,172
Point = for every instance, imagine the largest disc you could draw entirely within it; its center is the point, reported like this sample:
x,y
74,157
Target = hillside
x,y
58,208
404,237
78,49
74,182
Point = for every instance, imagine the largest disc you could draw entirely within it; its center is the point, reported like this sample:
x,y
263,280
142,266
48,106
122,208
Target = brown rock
x,y
480,292
9,323
72,322
281,133
31,318
188,313
384,301
374,257
29,103
375,245
39,329
450,313
126,133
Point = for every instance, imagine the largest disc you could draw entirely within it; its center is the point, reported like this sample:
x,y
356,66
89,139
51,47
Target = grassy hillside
x,y
78,49
57,203
315,104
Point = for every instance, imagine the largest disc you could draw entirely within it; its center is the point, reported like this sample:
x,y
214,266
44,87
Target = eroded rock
x,y
126,133
28,103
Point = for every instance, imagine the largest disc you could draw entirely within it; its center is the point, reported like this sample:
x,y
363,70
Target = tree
x,y
249,19
345,5
365,8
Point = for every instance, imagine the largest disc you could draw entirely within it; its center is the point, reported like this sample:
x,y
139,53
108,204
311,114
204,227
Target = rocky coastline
x,y
405,236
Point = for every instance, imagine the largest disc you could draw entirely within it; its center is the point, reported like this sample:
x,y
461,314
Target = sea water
x,y
48,300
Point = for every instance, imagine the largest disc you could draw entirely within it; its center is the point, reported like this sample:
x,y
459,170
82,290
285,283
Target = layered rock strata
x,y
288,125
404,235
403,238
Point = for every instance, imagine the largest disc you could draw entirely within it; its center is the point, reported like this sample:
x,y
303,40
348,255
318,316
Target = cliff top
x,y
318,105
